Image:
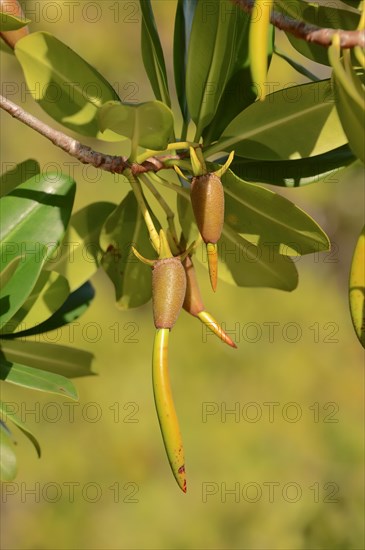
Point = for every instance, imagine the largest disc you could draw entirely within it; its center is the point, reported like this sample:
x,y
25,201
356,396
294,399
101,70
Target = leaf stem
x,y
179,190
176,146
220,146
170,216
137,190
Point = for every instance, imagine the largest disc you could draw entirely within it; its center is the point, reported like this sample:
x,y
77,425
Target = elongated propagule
x,y
165,408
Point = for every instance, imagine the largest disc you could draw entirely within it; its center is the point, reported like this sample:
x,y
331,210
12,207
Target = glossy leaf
x,y
322,14
310,50
294,173
264,217
218,38
35,215
62,360
147,124
20,285
293,123
8,271
9,22
78,257
240,91
242,262
48,294
68,88
183,22
18,175
245,264
350,100
36,379
301,69
132,279
8,414
152,54
75,306
8,462
357,288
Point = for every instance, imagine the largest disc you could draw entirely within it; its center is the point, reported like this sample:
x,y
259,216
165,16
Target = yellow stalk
x,y
212,251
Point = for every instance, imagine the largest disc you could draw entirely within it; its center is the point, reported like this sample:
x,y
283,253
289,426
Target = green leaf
x,y
297,66
11,23
350,100
8,462
62,360
18,175
322,14
79,255
293,123
48,294
325,14
35,215
242,262
36,379
8,271
75,306
152,54
20,285
183,22
218,39
264,217
7,414
240,90
294,173
357,288
148,125
311,51
245,264
65,85
131,278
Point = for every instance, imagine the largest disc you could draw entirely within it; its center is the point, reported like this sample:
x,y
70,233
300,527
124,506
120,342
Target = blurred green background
x,y
285,471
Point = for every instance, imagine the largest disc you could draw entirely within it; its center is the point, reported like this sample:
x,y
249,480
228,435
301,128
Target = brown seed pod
x,y
13,7
193,302
207,199
168,291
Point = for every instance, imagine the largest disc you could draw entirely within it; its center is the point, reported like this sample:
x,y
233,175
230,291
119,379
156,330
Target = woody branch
x,y
306,31
86,155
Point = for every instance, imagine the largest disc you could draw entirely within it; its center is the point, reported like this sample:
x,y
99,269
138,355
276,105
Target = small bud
x,y
168,291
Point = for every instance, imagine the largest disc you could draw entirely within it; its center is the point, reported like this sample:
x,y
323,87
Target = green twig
x,y
137,190
170,216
